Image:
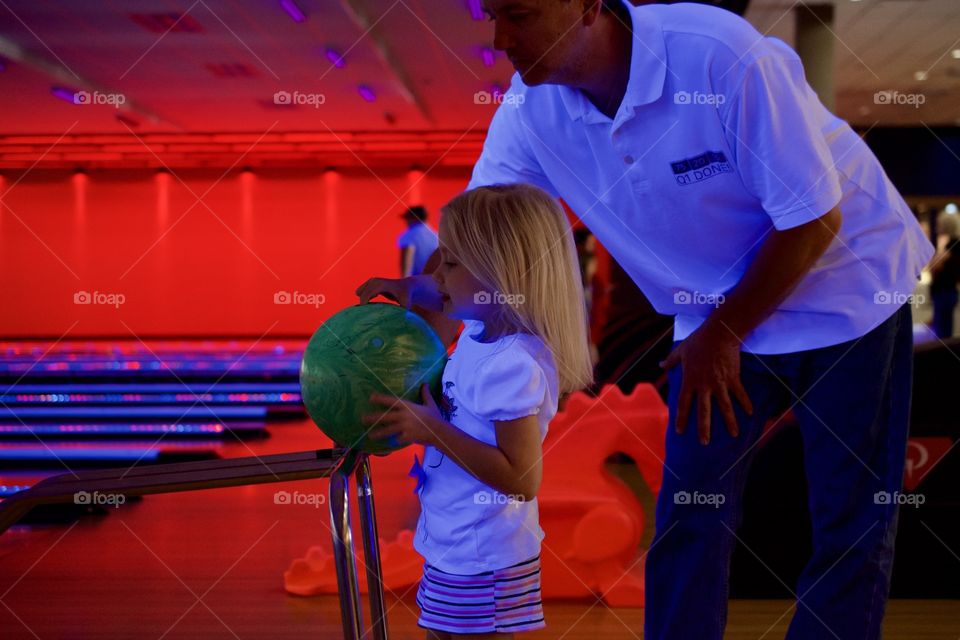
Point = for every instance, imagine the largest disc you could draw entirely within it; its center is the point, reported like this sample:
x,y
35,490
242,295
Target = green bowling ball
x,y
365,349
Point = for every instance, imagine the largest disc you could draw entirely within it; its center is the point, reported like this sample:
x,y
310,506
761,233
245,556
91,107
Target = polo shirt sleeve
x,y
780,152
507,157
404,240
509,385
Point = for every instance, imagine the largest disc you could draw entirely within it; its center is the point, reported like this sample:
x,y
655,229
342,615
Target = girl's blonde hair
x,y
516,239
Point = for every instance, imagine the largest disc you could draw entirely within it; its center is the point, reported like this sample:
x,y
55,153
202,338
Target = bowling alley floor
x,y
210,564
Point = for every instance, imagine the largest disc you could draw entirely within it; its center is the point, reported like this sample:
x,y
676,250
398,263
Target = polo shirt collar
x,y
648,71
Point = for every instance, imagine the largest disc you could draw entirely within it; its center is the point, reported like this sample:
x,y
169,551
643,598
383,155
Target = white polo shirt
x,y
719,140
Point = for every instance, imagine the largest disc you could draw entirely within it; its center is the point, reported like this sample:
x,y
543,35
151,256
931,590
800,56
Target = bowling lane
x,y
108,403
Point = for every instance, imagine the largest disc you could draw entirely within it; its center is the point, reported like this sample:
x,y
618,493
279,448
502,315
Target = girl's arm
x,y
420,295
514,466
413,290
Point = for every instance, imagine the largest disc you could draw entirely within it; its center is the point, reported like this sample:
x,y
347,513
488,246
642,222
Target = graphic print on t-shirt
x,y
448,409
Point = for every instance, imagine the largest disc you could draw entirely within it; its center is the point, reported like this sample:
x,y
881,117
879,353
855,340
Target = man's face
x,y
540,37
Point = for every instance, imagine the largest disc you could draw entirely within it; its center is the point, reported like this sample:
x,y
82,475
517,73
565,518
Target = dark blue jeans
x,y
852,401
944,303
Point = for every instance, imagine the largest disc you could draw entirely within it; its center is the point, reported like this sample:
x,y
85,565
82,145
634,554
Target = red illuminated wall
x,y
189,268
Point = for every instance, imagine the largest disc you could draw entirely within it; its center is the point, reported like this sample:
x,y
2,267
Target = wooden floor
x,y
210,564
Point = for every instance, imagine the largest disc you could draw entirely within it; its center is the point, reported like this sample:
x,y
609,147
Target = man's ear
x,y
591,11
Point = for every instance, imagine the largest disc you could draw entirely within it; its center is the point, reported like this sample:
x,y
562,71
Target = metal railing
x,y
337,464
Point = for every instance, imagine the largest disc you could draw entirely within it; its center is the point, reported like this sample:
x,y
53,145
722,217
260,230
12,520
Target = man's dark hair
x,y
417,212
616,7
612,5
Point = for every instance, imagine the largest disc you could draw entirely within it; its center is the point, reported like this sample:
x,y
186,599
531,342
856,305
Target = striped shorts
x,y
504,600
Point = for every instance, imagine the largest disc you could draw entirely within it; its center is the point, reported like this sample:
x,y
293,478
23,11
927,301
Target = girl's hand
x,y
399,290
408,421
415,290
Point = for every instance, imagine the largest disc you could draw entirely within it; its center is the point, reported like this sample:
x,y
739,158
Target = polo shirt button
x,y
628,159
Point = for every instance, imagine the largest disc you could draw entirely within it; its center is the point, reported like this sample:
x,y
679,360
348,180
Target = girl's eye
x,y
450,264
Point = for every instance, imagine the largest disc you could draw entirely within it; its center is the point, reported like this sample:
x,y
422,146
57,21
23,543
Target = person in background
x,y
417,243
945,274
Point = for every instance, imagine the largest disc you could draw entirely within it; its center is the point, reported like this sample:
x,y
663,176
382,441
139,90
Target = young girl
x,y
510,273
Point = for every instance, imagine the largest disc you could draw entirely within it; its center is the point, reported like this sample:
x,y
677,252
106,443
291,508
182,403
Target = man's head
x,y
547,40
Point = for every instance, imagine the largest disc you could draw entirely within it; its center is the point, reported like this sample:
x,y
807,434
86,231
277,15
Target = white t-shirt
x,y
719,140
424,241
465,526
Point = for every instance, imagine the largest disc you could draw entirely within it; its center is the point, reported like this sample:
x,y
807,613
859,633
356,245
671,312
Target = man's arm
x,y
781,263
710,356
406,261
507,157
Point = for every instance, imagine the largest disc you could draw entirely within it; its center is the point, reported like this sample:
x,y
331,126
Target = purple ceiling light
x,y
293,10
488,56
335,58
366,93
64,93
476,9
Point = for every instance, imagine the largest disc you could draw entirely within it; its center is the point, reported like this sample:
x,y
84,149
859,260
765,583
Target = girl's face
x,y
464,296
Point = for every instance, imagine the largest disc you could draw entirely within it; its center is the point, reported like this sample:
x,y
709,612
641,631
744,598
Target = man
x,y
417,243
696,152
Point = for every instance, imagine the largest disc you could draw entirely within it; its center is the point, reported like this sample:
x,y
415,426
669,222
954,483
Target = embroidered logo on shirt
x,y
697,169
